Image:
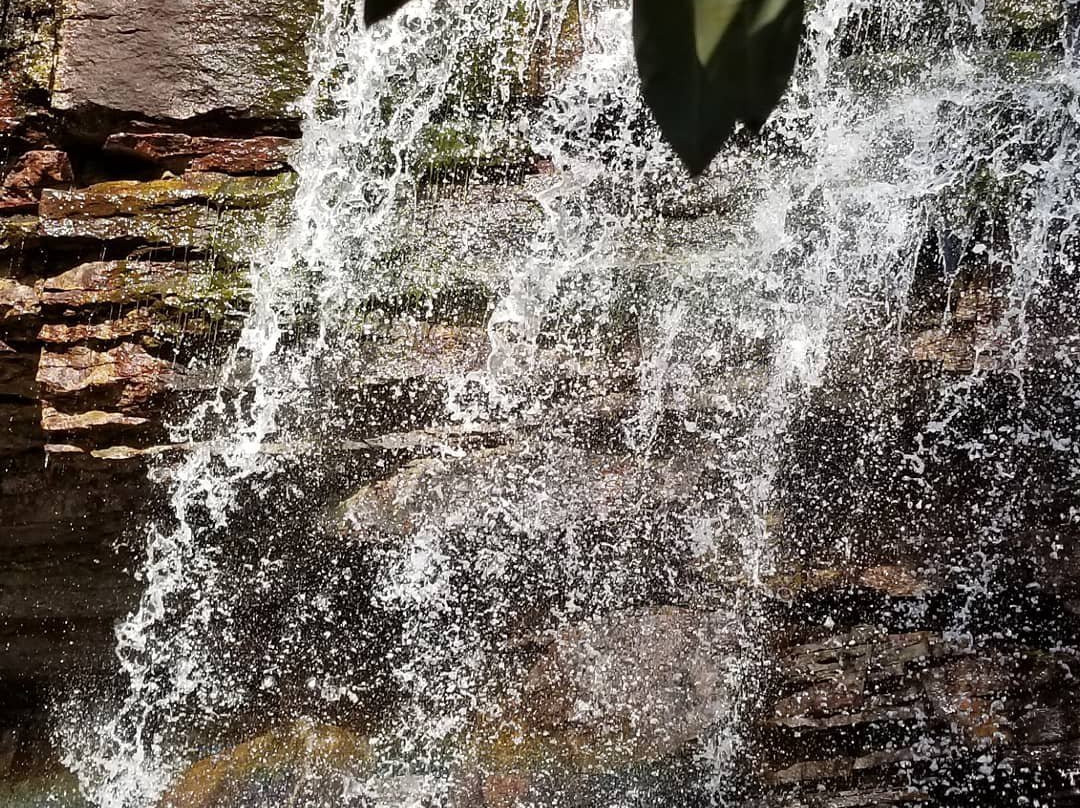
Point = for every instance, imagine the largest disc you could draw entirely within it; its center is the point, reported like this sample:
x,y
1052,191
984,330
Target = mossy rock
x,y
27,46
305,764
16,232
213,214
445,146
131,198
283,58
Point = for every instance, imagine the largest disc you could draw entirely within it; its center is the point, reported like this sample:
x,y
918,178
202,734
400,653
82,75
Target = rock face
x,y
31,174
121,259
180,153
146,143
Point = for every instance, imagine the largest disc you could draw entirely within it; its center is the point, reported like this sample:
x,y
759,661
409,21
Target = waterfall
x,y
656,351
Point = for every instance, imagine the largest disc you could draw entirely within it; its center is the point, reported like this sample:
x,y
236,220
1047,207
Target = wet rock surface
x,y
180,153
647,682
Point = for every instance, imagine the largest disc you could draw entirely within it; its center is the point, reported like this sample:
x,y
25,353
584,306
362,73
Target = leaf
x,y
376,10
707,64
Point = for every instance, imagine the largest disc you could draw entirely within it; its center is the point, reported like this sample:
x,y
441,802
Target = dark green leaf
x,y
706,64
375,10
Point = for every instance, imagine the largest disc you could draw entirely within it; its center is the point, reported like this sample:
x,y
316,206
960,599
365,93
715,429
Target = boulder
x,y
184,59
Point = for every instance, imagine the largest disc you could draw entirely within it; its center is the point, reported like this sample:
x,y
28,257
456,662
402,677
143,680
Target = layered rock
x,y
119,263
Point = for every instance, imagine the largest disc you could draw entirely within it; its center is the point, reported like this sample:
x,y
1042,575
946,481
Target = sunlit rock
x,y
126,376
549,485
304,764
177,61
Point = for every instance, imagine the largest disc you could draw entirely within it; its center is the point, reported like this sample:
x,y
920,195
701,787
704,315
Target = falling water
x,y
656,353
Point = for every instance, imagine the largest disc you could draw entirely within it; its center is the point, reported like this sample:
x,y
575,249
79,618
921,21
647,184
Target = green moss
x,y
214,214
244,193
884,72
446,146
213,294
31,36
283,60
512,751
1026,64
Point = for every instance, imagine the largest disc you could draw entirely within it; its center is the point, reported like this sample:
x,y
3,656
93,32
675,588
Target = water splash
x,y
655,348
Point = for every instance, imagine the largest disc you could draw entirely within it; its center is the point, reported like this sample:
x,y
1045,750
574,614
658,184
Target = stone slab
x,y
181,59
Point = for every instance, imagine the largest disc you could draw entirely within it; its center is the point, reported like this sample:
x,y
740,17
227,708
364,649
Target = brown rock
x,y
305,764
180,153
963,693
422,350
179,60
130,198
127,325
18,232
579,488
845,702
17,300
954,350
111,282
504,790
209,212
895,581
870,651
8,104
124,376
32,173
54,421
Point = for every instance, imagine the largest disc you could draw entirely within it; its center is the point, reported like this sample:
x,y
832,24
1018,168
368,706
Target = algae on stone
x,y
211,213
